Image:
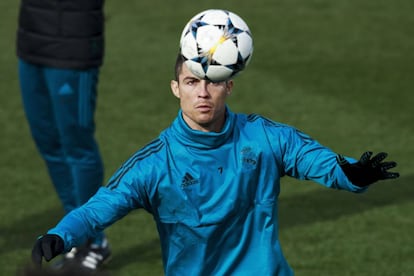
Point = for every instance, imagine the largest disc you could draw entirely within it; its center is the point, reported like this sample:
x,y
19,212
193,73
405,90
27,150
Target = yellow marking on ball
x,y
220,41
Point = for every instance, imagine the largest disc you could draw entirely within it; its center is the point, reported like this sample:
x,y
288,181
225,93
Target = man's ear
x,y
229,87
174,88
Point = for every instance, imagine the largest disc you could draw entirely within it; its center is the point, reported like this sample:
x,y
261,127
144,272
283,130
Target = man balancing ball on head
x,y
211,179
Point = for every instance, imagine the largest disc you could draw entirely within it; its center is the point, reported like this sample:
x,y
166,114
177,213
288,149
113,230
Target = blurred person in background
x,y
60,48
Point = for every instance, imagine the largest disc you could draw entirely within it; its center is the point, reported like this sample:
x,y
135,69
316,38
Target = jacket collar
x,y
199,139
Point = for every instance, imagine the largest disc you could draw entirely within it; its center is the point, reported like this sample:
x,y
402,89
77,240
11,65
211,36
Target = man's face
x,y
203,102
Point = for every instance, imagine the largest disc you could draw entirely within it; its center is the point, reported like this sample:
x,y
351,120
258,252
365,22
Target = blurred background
x,y
341,71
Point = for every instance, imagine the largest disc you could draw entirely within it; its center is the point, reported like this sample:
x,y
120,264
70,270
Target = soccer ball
x,y
217,45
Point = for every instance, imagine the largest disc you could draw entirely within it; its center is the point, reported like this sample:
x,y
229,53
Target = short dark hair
x,y
179,65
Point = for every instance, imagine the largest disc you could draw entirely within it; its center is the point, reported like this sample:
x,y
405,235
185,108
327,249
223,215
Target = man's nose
x,y
203,88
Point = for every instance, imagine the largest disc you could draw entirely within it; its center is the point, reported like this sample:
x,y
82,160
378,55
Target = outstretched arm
x,y
103,209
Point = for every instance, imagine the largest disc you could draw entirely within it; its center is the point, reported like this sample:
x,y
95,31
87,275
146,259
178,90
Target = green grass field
x,y
341,71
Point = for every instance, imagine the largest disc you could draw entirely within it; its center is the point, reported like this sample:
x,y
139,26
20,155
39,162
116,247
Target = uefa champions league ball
x,y
217,45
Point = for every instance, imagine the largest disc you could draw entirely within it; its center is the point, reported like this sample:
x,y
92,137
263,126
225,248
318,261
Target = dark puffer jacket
x,y
61,33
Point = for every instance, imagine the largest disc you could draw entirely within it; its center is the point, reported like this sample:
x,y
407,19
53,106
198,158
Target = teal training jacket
x,y
213,196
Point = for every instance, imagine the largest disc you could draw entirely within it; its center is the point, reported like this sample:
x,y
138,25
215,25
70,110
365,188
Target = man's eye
x,y
191,82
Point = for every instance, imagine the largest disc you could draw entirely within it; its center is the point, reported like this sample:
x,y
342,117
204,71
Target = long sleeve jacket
x,y
213,196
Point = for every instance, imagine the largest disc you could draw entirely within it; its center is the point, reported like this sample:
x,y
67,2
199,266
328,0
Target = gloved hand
x,y
47,246
367,171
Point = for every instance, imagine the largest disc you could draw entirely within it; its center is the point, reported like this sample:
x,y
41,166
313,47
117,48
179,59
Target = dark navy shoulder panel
x,y
152,148
254,117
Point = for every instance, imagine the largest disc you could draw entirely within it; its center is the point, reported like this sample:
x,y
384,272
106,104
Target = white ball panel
x,y
195,68
215,17
218,73
245,44
185,31
226,53
208,36
189,47
238,22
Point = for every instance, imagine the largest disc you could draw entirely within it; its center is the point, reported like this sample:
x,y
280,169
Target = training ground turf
x,y
341,71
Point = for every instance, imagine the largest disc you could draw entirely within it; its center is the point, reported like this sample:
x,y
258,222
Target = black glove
x,y
47,246
367,171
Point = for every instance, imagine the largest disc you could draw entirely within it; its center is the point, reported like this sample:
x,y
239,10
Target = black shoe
x,y
93,256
